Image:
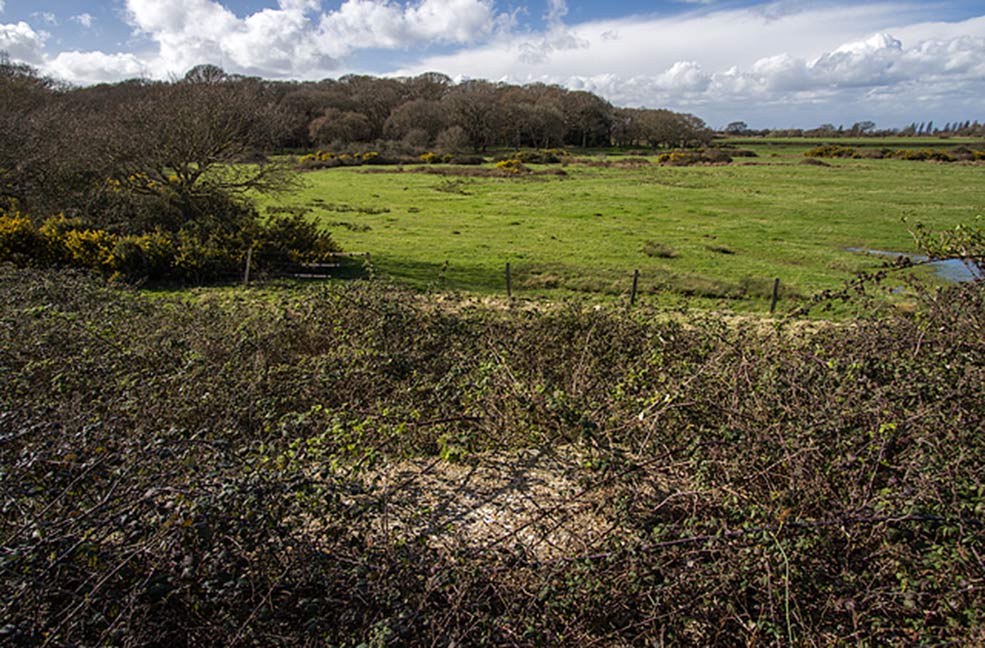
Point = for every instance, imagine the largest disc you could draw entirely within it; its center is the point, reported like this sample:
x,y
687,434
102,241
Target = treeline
x,y
864,129
75,148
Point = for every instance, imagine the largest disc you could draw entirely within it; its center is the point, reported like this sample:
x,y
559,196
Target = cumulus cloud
x,y
879,75
95,67
362,24
22,43
84,19
296,38
797,59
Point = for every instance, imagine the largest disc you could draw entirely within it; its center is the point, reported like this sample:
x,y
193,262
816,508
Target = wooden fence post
x,y
636,281
509,286
246,272
775,296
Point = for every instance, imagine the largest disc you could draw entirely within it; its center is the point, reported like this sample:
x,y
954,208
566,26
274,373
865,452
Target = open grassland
x,y
715,232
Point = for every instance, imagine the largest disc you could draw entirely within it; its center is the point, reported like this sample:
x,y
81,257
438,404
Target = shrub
x,y
538,156
512,166
295,237
716,156
831,151
192,254
148,256
690,158
875,154
86,248
936,155
20,242
199,259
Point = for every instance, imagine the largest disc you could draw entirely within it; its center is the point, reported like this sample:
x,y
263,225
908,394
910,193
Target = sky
x,y
777,64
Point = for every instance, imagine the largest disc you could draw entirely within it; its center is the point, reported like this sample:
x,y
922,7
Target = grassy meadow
x,y
712,232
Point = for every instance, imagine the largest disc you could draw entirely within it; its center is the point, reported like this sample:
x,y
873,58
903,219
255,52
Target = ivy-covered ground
x,y
359,465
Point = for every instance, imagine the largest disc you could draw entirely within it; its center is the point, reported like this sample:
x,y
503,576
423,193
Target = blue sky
x,y
779,63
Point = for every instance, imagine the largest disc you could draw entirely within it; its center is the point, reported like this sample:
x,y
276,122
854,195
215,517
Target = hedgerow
x,y
225,471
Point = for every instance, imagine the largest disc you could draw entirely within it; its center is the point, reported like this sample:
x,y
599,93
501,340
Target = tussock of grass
x,y
719,248
659,250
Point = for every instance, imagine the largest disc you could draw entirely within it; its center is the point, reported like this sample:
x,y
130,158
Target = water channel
x,y
947,269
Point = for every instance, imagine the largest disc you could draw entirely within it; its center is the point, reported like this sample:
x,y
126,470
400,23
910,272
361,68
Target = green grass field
x,y
718,233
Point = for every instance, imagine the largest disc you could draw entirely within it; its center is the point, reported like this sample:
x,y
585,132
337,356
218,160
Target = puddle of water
x,y
947,269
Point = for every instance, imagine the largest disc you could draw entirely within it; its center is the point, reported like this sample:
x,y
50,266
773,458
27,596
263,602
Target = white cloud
x,y
45,16
1,6
777,60
22,43
366,24
84,19
556,11
793,58
297,39
95,67
299,5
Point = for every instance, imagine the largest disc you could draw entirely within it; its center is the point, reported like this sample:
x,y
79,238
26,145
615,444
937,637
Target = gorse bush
x,y
192,254
538,156
512,166
328,159
688,158
831,151
20,242
436,158
268,472
957,154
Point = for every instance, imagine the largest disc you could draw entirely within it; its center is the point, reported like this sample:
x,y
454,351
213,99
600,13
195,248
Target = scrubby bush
x,y
935,155
689,158
324,159
20,242
536,156
831,151
960,153
512,166
436,158
192,254
148,256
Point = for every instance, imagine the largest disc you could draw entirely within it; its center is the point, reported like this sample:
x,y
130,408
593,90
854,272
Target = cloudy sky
x,y
780,63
